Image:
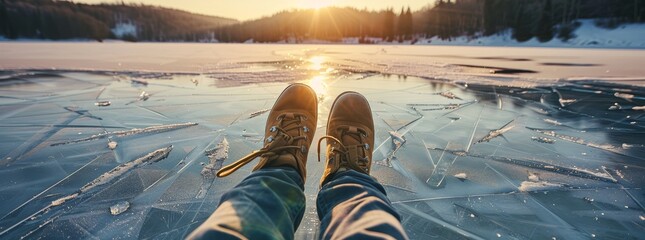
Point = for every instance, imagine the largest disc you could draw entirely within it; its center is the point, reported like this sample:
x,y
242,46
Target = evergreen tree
x,y
388,25
37,24
545,26
443,22
401,28
522,28
3,19
489,16
409,27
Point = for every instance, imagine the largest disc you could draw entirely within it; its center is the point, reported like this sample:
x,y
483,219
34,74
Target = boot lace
x,y
348,156
289,137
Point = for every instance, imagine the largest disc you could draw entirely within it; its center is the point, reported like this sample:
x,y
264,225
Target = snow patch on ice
x,y
533,177
134,131
103,103
449,95
144,96
625,96
543,140
119,208
497,132
258,113
216,158
461,176
603,174
118,171
565,102
528,186
112,145
607,147
62,200
551,121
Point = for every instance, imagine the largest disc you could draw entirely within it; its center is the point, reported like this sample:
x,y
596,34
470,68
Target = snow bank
x,y
587,35
124,29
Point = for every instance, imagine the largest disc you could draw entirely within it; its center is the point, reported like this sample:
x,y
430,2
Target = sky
x,y
253,9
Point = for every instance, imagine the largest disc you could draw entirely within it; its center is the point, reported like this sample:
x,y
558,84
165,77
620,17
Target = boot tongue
x,y
283,159
289,117
351,137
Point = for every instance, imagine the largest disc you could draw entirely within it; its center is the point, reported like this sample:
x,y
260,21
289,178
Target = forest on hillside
x,y
56,20
446,19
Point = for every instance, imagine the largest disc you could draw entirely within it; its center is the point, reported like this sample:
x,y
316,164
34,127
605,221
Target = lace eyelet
x,y
273,129
303,149
270,139
305,129
366,146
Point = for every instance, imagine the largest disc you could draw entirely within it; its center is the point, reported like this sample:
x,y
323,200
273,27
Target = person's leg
x,y
268,204
354,205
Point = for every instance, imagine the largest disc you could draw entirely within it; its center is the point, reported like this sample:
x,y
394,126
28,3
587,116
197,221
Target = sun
x,y
315,4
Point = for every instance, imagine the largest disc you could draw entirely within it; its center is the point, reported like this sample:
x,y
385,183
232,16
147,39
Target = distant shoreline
x,y
588,35
518,45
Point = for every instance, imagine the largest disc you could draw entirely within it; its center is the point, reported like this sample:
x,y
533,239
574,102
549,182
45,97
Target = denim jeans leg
x,y
268,204
354,205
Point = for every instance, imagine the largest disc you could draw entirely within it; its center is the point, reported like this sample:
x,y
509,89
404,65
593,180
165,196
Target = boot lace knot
x,y
350,154
288,136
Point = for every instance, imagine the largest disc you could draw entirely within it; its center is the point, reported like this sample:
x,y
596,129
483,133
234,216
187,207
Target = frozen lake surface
x,y
121,140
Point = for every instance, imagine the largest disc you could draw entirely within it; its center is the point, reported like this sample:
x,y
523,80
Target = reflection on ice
x,y
457,160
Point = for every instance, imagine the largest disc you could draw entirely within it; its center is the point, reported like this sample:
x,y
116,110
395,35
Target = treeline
x,y
330,24
446,19
56,20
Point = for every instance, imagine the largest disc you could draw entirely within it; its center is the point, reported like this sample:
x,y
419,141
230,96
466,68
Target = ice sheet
x,y
458,159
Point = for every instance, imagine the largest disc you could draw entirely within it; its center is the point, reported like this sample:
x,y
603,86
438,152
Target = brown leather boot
x,y
289,130
350,135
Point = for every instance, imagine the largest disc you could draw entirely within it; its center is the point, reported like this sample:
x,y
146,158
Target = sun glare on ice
x,y
316,63
317,83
